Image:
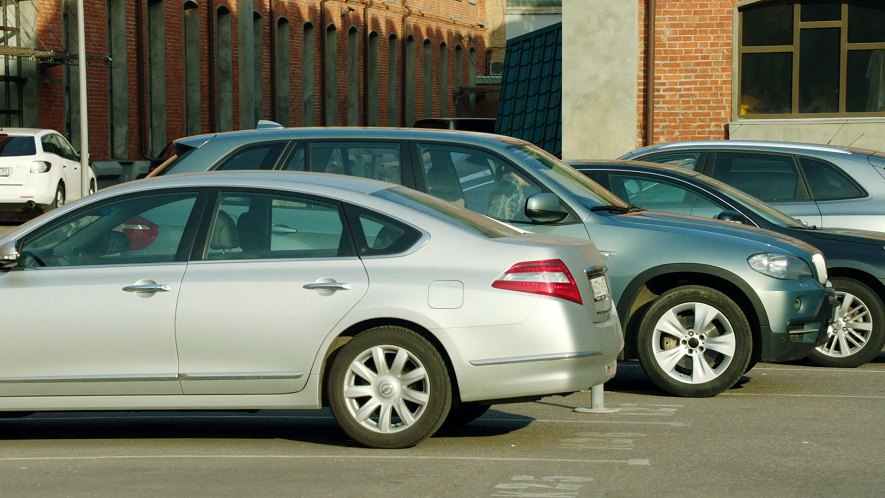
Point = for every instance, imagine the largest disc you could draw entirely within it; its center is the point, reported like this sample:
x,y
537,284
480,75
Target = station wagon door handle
x,y
147,287
328,286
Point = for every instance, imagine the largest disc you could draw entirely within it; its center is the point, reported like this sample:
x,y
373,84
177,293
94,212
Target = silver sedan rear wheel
x,y
857,332
389,388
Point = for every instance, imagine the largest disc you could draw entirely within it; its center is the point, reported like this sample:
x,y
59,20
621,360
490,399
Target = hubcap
x,y
386,389
851,327
693,343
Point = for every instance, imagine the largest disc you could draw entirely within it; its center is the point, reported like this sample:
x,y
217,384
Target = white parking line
x,y
818,370
776,395
631,461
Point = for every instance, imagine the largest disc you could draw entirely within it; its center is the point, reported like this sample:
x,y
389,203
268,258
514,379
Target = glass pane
x,y
384,235
827,182
866,21
866,81
262,156
819,70
768,177
767,24
662,195
687,160
821,10
766,83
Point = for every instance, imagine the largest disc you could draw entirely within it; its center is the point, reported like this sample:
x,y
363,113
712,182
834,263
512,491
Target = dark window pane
x,y
821,10
767,24
819,70
866,21
18,146
769,177
262,156
687,160
766,86
827,182
866,81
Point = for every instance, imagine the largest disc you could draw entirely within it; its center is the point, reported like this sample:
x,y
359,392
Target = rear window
x,y
17,146
448,212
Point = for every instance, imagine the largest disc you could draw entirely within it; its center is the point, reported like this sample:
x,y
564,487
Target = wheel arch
x,y
861,276
349,333
648,285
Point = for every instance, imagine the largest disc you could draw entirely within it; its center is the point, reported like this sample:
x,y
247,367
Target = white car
x,y
296,290
39,170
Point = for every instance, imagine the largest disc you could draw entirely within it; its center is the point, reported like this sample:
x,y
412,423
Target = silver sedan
x,y
268,290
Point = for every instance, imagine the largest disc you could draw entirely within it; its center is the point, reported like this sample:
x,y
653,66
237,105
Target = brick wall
x,y
693,69
454,22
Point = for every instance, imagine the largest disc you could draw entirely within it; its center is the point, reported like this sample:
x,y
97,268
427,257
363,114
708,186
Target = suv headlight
x,y
782,266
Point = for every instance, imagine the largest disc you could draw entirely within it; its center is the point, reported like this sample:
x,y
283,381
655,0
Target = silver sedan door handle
x,y
328,286
148,287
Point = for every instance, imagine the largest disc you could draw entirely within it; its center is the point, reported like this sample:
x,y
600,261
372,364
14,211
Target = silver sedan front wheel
x,y
389,388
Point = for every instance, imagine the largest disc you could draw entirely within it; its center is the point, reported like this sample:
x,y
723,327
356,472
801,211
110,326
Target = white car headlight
x,y
782,266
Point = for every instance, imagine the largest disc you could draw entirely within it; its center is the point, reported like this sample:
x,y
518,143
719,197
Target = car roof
x,y
766,145
645,165
347,133
25,131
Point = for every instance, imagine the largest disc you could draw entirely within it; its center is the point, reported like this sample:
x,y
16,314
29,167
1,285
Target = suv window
x,y
827,182
662,195
476,180
377,160
769,177
253,157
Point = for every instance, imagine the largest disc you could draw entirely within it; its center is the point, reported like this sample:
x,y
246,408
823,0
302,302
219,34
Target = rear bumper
x,y
20,195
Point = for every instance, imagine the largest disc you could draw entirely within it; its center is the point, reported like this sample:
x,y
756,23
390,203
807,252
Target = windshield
x,y
587,192
17,146
447,212
770,214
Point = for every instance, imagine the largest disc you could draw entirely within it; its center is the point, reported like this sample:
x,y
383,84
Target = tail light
x,y
142,232
549,278
40,166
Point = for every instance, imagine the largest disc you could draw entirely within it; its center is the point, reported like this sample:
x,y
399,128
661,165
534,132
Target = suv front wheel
x,y
694,341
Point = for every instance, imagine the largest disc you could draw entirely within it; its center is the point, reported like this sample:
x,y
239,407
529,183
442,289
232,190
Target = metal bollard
x,y
597,402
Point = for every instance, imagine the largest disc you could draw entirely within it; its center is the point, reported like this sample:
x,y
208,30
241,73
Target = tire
x,y
59,199
858,330
464,413
372,404
92,189
688,362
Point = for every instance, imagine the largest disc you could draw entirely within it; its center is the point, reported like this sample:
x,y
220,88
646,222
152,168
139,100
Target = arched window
x,y
392,79
119,79
192,65
330,78
428,79
372,83
258,64
443,80
157,75
353,77
307,75
224,78
811,58
409,82
281,72
459,67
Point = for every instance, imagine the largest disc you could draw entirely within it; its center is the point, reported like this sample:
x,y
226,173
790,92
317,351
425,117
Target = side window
x,y
296,160
263,226
67,151
769,177
662,195
136,230
48,144
253,157
687,160
827,182
379,161
476,180
383,235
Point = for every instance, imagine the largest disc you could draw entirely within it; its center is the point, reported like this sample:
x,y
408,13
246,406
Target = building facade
x,y
162,69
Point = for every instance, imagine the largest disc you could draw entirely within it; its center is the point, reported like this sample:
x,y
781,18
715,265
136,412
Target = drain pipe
x,y
650,72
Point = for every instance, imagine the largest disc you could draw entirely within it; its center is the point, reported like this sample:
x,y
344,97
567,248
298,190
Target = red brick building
x,y
158,70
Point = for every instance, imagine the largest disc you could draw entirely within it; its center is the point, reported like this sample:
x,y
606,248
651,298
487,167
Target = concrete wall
x,y
857,132
600,57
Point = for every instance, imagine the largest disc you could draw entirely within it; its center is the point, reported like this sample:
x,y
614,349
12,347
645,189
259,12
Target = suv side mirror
x,y
544,208
732,216
8,256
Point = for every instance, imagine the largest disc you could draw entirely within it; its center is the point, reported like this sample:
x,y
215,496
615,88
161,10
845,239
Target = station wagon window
x,y
296,160
376,160
476,180
254,157
827,182
812,57
265,226
687,160
769,177
139,229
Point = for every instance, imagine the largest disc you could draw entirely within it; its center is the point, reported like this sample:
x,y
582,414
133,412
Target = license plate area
x,y
600,287
5,171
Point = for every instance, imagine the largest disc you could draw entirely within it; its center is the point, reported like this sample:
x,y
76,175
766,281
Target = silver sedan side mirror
x,y
8,255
